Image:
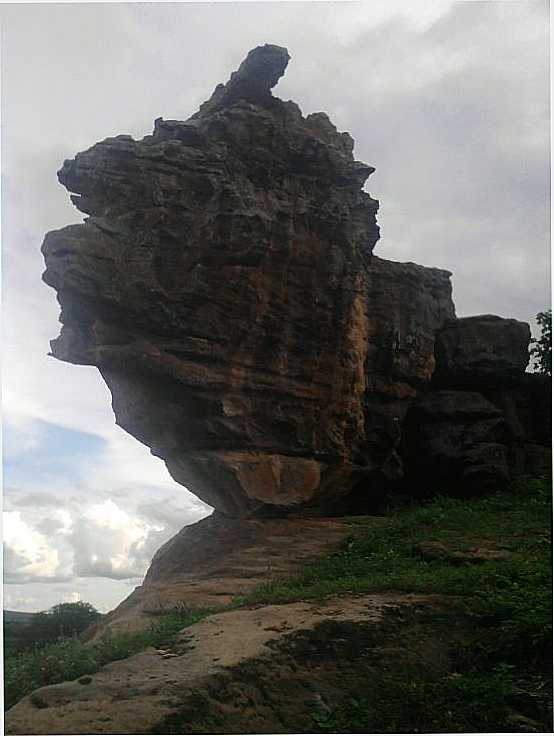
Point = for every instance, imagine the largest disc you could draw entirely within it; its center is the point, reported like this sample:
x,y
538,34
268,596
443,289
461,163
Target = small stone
x,y
38,701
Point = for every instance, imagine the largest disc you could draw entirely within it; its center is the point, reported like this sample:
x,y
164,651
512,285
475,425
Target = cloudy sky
x,y
448,100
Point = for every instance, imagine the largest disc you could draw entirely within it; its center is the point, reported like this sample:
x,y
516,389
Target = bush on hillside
x,y
541,348
62,620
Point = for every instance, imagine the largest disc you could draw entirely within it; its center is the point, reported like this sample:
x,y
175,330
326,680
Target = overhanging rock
x,y
223,283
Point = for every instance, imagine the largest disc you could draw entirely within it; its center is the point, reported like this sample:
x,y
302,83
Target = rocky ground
x,y
434,618
263,669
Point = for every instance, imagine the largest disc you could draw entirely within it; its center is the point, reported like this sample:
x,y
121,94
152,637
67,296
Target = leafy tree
x,y
541,348
62,620
73,618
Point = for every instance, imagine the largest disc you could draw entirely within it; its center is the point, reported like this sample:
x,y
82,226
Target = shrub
x,y
70,658
541,348
62,620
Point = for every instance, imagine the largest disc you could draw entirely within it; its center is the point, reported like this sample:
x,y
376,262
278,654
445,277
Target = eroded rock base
x,y
209,563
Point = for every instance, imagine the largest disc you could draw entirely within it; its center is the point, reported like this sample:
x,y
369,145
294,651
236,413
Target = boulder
x,y
473,352
527,408
455,442
489,354
224,285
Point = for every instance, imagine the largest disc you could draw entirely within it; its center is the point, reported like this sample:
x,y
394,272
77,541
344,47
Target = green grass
x,y
68,659
412,705
504,667
382,557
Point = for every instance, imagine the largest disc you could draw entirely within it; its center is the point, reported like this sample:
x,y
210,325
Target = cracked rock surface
x,y
225,286
223,283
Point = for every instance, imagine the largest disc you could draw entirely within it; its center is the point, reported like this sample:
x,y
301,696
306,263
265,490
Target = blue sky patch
x,y
46,453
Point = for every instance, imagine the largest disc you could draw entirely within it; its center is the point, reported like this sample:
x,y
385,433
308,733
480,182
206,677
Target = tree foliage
x,y
541,347
61,621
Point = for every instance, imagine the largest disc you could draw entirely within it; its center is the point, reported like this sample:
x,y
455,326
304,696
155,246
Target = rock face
x,y
219,559
485,354
224,285
482,350
456,440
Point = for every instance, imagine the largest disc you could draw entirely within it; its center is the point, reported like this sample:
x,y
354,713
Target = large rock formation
x,y
456,441
480,351
224,285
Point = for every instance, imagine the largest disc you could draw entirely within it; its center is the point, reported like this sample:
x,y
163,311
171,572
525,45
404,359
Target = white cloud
x,y
30,553
86,540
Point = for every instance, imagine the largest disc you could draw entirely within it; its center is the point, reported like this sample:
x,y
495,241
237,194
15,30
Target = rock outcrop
x,y
225,286
456,441
487,354
266,669
223,283
219,559
481,351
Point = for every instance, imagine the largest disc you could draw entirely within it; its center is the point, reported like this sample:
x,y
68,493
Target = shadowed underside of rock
x,y
223,283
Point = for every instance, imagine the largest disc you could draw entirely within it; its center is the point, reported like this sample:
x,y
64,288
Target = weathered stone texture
x,y
482,350
489,354
224,285
456,441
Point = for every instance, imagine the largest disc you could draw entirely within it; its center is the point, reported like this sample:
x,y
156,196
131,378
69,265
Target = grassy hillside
x,y
491,555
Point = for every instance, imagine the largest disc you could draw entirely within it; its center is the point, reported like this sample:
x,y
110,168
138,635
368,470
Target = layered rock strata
x,y
224,285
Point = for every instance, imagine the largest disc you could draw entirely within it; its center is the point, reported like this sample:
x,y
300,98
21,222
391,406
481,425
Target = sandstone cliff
x,y
223,282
